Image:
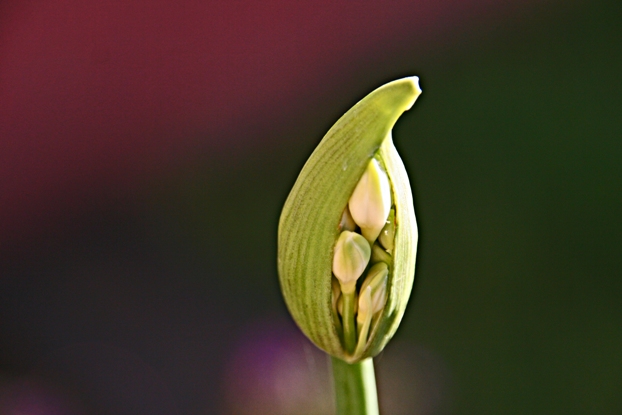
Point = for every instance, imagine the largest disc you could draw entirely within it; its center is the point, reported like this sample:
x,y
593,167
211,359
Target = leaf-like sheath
x,y
309,223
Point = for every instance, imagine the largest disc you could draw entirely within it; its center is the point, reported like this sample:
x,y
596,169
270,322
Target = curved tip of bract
x,y
414,80
412,84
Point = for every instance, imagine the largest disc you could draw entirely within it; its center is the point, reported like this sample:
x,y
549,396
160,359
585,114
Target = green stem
x,y
355,387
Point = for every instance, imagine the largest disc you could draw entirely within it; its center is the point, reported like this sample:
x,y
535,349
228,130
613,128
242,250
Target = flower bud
x,y
371,201
347,223
351,257
315,239
363,319
376,279
365,305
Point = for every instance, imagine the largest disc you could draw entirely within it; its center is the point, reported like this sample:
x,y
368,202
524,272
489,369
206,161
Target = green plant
x,y
347,242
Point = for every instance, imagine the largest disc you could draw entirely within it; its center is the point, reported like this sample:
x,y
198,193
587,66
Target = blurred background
x,y
146,149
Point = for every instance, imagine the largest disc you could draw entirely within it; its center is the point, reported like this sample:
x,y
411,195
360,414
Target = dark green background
x,y
514,152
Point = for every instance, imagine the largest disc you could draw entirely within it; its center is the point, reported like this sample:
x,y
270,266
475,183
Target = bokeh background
x,y
147,147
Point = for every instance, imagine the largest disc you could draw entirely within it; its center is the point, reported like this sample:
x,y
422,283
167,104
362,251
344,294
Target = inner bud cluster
x,y
363,249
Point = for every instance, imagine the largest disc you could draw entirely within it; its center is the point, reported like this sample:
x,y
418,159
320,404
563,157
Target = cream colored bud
x,y
364,305
363,319
371,201
347,223
376,279
352,253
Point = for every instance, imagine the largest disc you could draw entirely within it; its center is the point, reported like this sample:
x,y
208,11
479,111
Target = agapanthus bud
x,y
355,161
370,202
364,318
376,279
347,223
352,254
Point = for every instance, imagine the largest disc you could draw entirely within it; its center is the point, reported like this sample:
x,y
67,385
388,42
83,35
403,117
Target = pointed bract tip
x,y
414,83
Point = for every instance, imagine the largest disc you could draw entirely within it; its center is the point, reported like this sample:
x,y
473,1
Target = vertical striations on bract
x,y
313,215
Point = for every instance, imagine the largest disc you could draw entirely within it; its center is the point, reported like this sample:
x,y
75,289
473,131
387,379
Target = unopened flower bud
x,y
347,223
363,319
365,305
352,254
371,201
377,279
355,165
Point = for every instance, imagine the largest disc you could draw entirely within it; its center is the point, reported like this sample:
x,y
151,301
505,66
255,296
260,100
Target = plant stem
x,y
355,387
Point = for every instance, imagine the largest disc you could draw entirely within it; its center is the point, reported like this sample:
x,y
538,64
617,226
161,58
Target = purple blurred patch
x,y
413,380
31,396
275,370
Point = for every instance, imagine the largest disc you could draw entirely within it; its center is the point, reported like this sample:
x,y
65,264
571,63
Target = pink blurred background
x,y
95,97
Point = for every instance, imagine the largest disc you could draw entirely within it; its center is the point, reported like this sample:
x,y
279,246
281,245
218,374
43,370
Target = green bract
x,y
313,219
